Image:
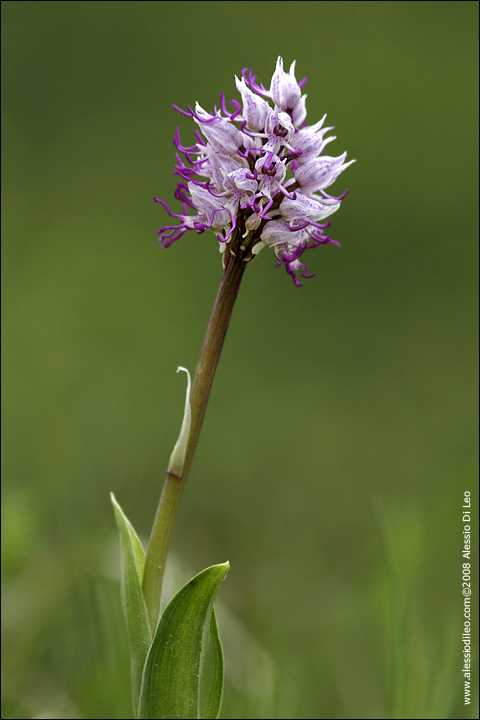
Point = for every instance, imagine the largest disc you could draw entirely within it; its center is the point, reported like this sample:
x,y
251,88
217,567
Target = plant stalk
x,y
174,484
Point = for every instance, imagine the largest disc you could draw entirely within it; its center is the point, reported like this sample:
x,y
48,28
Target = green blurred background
x,y
341,431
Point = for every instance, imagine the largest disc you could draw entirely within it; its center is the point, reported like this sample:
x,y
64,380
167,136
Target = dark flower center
x,y
280,131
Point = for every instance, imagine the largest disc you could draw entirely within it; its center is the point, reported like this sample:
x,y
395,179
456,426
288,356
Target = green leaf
x,y
134,610
183,676
177,458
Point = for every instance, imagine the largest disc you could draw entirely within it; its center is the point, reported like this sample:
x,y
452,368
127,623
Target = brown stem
x,y
175,483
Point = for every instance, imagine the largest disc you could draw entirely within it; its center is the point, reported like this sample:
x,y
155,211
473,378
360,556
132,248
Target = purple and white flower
x,y
257,175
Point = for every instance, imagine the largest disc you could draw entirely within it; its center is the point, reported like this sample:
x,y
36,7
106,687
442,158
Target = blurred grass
x,y
355,393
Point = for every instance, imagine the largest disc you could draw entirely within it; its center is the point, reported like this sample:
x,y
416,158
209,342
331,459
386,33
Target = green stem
x,y
175,483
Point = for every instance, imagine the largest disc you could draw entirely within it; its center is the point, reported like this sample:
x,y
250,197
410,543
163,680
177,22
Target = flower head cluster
x,y
257,175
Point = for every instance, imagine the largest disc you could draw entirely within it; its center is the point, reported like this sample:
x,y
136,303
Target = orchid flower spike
x,y
257,175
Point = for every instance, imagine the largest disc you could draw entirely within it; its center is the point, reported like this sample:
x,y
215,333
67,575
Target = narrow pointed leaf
x,y
135,612
211,674
183,676
177,458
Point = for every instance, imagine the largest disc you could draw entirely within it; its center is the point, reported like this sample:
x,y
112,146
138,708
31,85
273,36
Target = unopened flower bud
x,y
320,173
255,108
284,88
220,133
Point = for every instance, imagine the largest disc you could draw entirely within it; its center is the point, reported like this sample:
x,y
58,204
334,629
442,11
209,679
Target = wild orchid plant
x,y
257,177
